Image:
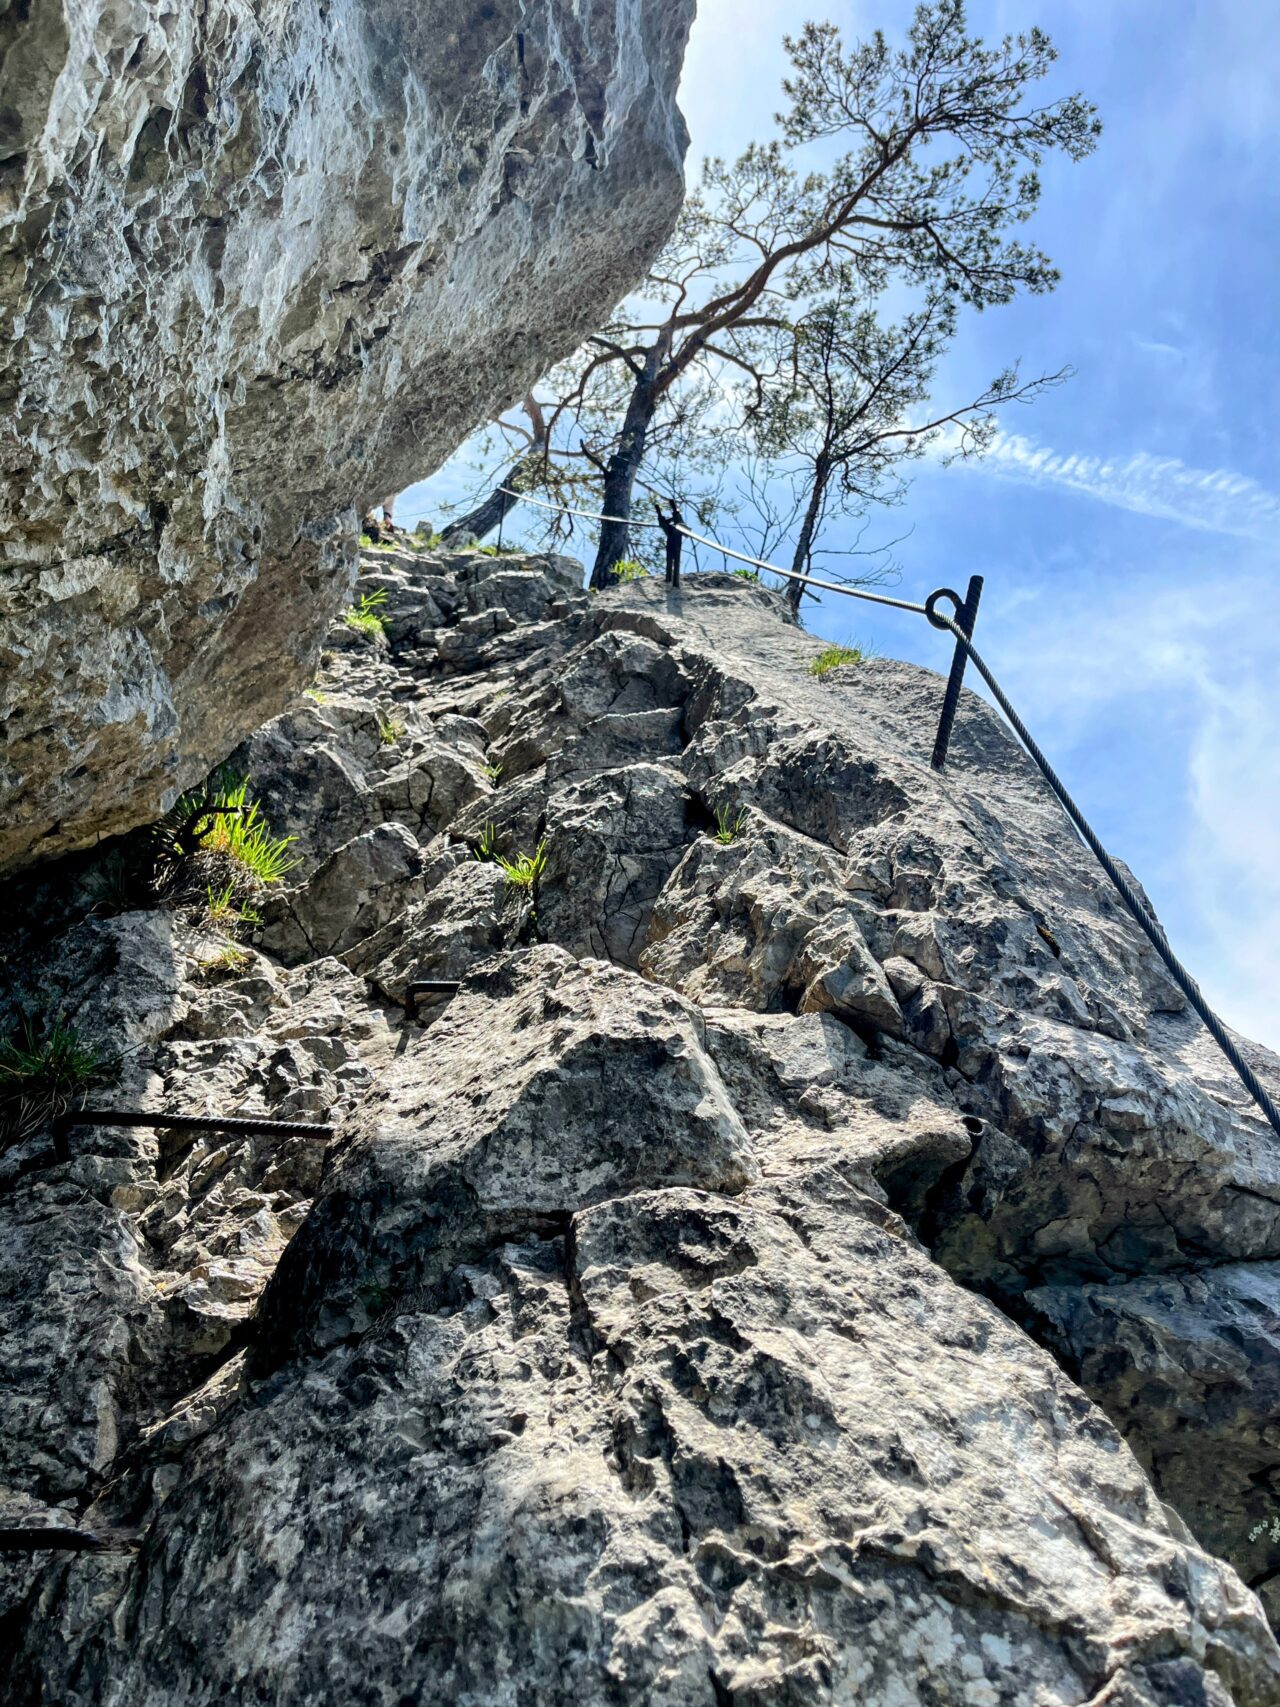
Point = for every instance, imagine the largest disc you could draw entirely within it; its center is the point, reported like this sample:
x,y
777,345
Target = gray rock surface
x,y
820,1265
260,265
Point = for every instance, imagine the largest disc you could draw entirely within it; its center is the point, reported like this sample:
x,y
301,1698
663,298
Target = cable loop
x,y
931,607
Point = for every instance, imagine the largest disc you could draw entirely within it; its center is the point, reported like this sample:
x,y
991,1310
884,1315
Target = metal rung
x,y
188,1123
428,987
55,1538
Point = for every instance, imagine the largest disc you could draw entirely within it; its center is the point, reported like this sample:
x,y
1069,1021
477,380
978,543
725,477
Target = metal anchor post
x,y
966,616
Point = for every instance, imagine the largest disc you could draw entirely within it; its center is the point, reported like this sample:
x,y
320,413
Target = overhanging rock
x,y
259,264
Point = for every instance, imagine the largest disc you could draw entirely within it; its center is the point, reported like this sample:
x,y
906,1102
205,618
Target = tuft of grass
x,y
746,574
524,870
225,911
390,729
728,826
226,962
315,696
494,774
56,1065
836,657
364,614
41,1076
366,541
245,837
629,569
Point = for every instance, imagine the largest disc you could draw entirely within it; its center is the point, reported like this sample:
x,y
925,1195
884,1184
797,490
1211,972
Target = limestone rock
x,y
262,265
706,1303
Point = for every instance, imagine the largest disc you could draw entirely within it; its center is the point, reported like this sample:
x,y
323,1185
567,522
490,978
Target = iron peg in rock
x,y
427,987
966,616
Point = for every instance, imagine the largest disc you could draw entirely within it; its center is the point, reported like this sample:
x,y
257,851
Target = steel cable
x,y
1177,971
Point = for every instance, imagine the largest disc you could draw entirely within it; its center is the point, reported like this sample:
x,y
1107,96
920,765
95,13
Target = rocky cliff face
x,y
819,1264
258,264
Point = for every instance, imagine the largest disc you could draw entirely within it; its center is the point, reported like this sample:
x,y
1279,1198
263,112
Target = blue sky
x,y
1128,523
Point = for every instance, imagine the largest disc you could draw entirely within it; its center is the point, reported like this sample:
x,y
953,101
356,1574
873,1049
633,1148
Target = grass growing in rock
x,y
215,853
836,657
390,729
728,825
364,616
494,774
245,838
41,1077
523,871
225,963
226,911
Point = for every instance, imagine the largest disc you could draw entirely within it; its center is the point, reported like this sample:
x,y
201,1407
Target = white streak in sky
x,y
1214,500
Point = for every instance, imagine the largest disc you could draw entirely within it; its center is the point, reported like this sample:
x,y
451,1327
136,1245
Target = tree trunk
x,y
493,509
623,466
808,528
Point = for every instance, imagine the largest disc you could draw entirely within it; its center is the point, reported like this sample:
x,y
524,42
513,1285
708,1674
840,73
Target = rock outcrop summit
x,y
260,264
814,1257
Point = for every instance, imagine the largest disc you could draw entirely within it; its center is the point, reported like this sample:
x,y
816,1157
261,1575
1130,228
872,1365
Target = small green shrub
x,y
390,729
315,696
364,614
56,1066
746,574
366,542
629,569
494,773
728,826
524,870
836,657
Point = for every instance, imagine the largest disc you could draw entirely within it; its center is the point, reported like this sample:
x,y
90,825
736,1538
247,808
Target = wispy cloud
x,y
1214,500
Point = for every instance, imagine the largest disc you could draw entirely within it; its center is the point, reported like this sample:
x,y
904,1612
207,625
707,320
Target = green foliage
x,y
494,773
746,574
55,1066
315,696
188,823
225,911
834,657
390,729
729,826
42,1076
364,614
245,837
629,569
225,962
524,870
366,542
